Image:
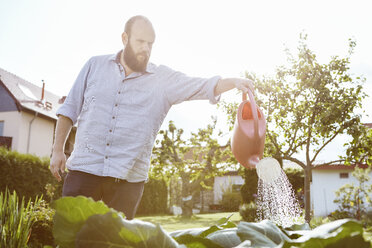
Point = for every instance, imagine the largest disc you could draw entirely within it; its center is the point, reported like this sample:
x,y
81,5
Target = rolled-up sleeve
x,y
181,87
71,108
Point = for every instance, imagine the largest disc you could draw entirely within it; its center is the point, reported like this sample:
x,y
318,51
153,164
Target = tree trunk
x,y
202,201
307,179
186,197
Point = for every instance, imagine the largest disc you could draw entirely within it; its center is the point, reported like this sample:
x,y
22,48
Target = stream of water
x,y
276,200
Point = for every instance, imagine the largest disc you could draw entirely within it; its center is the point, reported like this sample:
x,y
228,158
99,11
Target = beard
x,y
130,58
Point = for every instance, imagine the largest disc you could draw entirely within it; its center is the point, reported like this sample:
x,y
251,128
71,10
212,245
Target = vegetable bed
x,y
81,222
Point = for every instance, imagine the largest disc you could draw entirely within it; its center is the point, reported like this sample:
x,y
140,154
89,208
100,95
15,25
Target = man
x,y
119,102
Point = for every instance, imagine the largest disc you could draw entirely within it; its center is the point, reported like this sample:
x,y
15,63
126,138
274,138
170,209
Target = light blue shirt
x,y
118,117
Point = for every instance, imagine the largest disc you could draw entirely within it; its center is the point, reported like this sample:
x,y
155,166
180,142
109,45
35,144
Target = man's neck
x,y
127,70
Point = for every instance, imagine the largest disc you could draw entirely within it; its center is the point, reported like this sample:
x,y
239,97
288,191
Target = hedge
x,y
154,199
28,175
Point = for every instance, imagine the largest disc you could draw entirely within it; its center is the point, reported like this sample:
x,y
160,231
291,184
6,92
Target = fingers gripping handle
x,y
254,110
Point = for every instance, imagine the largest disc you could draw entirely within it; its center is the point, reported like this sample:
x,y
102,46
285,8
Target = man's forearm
x,y
226,84
63,128
223,85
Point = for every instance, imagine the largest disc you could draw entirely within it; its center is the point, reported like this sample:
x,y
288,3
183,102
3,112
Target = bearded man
x,y
119,102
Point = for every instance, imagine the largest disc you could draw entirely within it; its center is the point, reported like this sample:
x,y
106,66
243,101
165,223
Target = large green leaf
x,y
297,230
196,242
221,235
262,234
71,214
336,234
192,231
111,230
226,238
298,227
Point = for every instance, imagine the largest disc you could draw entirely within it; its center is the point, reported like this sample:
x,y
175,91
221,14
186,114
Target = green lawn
x,y
172,223
368,234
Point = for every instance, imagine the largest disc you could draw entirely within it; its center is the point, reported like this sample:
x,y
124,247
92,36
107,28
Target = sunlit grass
x,y
368,234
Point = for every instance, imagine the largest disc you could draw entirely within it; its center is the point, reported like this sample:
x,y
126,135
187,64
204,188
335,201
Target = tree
x,y
359,148
355,199
307,105
193,161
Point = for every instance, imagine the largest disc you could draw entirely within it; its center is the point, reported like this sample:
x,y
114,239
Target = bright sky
x,y
51,40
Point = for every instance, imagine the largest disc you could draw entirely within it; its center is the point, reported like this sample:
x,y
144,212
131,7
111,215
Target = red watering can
x,y
248,140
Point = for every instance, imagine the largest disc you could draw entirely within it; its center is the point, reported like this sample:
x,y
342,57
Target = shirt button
x,y
106,157
110,131
123,80
118,92
116,105
107,144
113,117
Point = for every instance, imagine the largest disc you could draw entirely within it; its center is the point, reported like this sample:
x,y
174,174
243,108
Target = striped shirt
x,y
118,116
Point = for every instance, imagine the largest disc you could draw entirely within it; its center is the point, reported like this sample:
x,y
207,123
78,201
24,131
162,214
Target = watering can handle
x,y
254,110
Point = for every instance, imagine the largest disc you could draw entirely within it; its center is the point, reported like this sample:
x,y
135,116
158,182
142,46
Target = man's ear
x,y
124,38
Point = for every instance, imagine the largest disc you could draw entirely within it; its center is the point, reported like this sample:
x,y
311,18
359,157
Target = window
x,y
1,128
344,175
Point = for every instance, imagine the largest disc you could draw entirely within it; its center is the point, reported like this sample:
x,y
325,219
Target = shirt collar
x,y
116,58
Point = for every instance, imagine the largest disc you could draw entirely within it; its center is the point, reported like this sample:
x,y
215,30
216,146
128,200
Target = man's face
x,y
137,51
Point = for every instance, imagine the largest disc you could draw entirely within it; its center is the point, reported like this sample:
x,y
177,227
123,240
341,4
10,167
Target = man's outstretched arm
x,y
58,160
226,84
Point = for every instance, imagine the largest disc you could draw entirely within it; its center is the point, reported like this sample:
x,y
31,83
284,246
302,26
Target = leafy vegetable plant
x,y
81,222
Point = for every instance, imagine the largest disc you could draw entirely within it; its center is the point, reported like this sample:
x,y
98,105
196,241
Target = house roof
x,y
28,95
369,125
339,167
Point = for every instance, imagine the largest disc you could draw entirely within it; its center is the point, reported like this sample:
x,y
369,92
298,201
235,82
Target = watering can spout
x,y
248,140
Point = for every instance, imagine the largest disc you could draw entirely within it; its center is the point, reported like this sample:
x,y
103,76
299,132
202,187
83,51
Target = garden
x,y
307,105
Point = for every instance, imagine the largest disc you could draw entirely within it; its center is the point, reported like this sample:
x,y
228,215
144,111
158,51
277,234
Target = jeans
x,y
118,194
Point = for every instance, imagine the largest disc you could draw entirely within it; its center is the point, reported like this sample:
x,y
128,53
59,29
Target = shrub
x,y
16,219
42,229
318,221
337,215
355,199
296,178
154,199
231,201
28,175
248,212
249,189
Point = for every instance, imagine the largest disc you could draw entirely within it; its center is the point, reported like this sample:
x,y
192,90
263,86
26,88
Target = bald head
x,y
138,18
138,38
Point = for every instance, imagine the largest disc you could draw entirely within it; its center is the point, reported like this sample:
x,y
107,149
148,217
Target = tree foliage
x,y
359,149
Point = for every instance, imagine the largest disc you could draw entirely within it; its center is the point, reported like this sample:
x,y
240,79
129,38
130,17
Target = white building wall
x,y
17,126
323,187
12,121
222,184
37,135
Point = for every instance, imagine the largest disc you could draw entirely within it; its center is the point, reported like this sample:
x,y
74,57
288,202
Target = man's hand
x,y
244,85
58,159
58,164
226,84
